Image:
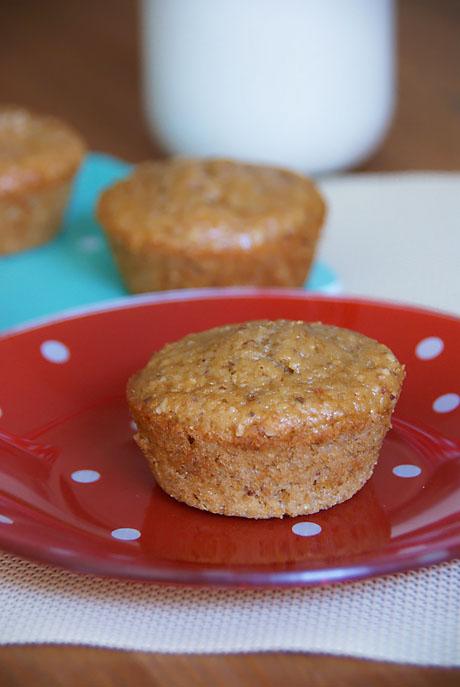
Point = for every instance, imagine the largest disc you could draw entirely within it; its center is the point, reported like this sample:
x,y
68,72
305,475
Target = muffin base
x,y
288,476
32,219
285,263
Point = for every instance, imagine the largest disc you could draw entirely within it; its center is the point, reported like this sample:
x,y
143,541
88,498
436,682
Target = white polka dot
x,y
126,533
446,403
429,348
5,520
90,243
407,470
55,351
133,426
306,529
245,241
85,476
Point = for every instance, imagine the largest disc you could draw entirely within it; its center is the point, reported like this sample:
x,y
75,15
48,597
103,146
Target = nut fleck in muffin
x,y
39,156
265,419
193,223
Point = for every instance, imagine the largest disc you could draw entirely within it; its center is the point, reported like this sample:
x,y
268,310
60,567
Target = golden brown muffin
x,y
264,419
193,223
39,156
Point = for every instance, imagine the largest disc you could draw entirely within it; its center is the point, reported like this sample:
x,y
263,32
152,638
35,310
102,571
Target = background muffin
x,y
39,156
265,418
191,223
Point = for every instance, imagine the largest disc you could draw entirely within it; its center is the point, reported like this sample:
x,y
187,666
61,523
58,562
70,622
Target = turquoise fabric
x,y
76,268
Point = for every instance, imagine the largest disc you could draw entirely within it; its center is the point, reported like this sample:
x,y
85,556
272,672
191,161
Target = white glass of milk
x,y
307,84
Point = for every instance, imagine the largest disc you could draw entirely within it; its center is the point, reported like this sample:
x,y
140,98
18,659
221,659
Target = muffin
x,y
196,223
39,156
265,419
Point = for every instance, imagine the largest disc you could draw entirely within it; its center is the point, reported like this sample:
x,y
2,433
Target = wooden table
x,y
80,60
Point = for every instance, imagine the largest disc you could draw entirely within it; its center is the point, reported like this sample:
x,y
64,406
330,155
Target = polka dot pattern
x,y
5,520
126,534
86,476
446,403
55,351
90,244
398,466
306,529
429,348
407,470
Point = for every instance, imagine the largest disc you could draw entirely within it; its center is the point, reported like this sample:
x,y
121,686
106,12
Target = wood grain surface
x,y
83,667
80,60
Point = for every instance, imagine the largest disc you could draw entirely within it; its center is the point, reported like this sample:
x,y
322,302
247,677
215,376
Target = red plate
x,y
75,491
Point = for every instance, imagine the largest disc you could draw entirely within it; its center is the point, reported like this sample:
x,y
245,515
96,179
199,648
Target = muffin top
x,y
35,150
209,203
267,378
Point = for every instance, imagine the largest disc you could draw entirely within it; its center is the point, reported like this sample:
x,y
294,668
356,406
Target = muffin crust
x,y
189,223
265,418
39,156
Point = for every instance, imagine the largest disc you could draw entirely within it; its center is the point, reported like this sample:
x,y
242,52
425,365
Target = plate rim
x,y
216,293
197,575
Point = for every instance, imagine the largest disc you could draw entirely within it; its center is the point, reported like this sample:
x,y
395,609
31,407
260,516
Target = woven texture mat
x,y
411,618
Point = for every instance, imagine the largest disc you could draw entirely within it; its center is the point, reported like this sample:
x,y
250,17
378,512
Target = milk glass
x,y
307,84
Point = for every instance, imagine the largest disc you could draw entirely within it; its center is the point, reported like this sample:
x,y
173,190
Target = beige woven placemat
x,y
412,617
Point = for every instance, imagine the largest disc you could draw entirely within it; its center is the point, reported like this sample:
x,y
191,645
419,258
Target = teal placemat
x,y
76,268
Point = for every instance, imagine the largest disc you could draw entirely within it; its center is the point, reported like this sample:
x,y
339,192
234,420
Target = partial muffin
x,y
173,532
39,156
265,419
196,223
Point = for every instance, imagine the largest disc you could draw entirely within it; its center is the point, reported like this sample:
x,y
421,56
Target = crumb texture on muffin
x,y
210,203
188,223
265,418
39,156
35,150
